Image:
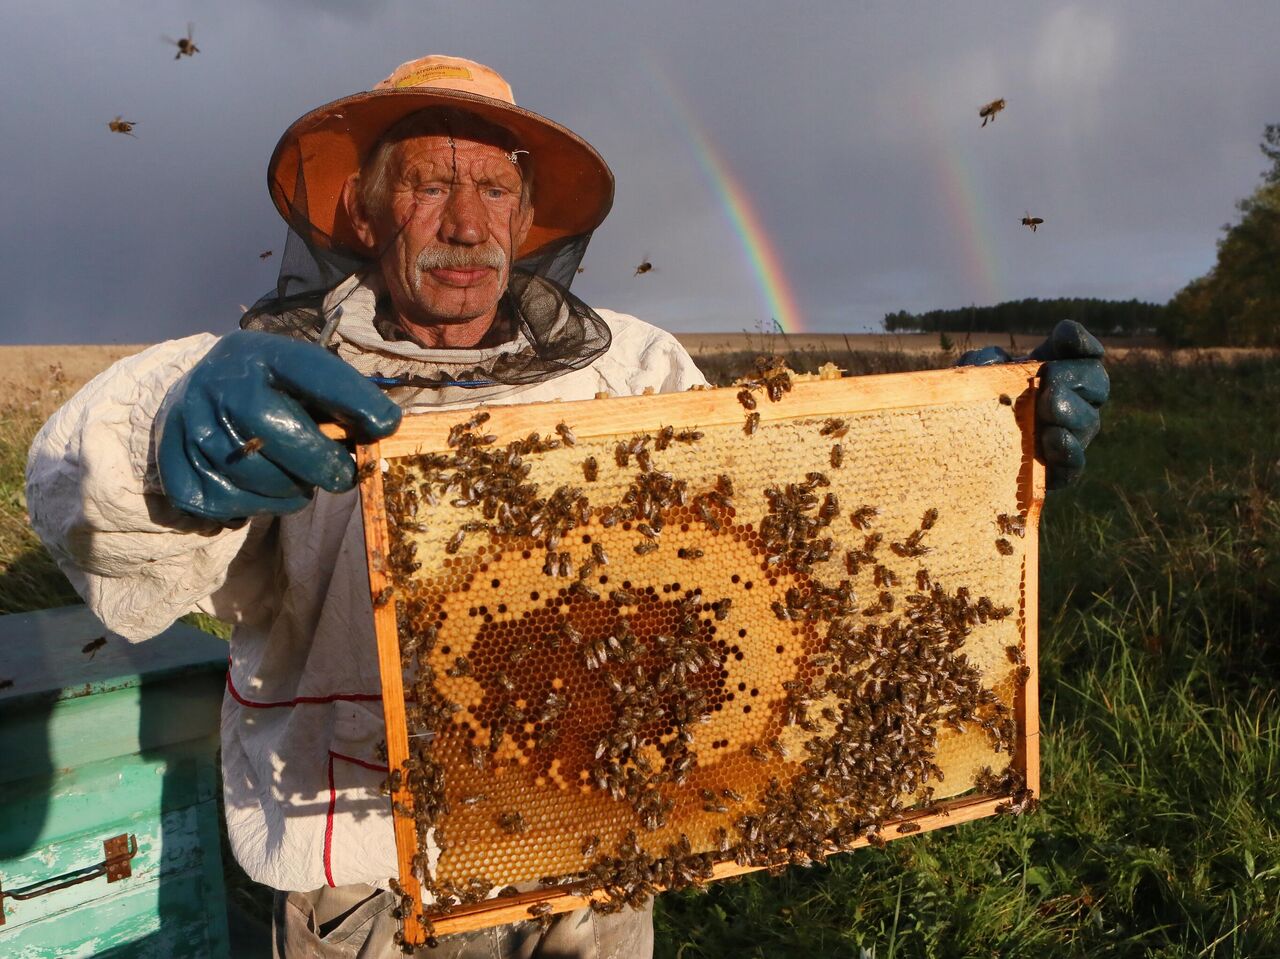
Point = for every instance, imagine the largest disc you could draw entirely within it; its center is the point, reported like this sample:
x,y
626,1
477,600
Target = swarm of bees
x,y
888,672
988,111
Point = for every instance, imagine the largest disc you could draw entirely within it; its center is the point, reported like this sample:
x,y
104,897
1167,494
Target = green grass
x,y
1159,834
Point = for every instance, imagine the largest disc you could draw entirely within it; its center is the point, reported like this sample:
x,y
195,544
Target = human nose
x,y
463,221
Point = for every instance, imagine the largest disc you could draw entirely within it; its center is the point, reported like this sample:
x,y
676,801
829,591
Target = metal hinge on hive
x,y
118,853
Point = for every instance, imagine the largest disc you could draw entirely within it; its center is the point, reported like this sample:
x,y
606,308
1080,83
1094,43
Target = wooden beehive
x,y
728,646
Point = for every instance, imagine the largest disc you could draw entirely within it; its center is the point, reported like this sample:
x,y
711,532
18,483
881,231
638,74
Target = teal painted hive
x,y
119,741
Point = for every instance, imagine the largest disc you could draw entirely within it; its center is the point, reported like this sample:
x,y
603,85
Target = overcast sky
x,y
851,127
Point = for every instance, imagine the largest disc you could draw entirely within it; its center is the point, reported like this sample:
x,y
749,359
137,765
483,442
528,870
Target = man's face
x,y
448,232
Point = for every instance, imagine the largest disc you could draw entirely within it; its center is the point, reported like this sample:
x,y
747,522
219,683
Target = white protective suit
x,y
302,715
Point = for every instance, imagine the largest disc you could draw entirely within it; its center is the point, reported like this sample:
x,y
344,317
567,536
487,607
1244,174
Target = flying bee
x,y
92,646
1006,399
644,267
988,111
752,424
1004,547
6,683
862,516
746,399
186,45
119,125
265,254
590,469
1031,222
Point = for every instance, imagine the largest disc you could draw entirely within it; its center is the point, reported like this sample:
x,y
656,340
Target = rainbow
x,y
966,212
762,256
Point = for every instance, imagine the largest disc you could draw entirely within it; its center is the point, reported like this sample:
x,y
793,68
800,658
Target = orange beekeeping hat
x,y
573,188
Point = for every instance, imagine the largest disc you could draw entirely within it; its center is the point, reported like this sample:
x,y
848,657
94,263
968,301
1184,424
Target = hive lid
x,y
43,654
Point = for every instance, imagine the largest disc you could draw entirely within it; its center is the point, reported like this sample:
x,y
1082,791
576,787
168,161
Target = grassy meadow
x,y
1159,831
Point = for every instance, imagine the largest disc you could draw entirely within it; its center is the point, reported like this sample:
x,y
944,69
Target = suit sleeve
x,y
95,501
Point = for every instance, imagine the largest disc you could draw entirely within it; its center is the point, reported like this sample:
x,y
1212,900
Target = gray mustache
x,y
461,258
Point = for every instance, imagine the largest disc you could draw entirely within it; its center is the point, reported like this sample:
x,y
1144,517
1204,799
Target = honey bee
x,y
862,516
648,546
590,846
6,683
908,827
752,424
644,267
1006,399
746,399
590,469
473,799
122,126
930,517
265,254
186,45
1014,524
830,507
922,579
1004,547
1031,222
566,434
834,427
988,111
250,447
366,470
837,456
92,646
540,912
689,553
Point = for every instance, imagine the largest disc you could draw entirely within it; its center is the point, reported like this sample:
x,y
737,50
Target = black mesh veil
x,y
541,331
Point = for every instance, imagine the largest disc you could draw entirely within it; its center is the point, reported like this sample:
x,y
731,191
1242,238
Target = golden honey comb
x,y
512,707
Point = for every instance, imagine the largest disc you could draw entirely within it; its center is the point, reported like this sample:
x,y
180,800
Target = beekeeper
x,y
435,229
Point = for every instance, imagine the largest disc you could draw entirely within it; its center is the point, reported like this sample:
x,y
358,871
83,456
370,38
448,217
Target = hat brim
x,y
573,186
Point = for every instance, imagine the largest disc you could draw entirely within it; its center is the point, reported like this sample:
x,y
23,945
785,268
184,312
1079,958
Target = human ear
x,y
361,222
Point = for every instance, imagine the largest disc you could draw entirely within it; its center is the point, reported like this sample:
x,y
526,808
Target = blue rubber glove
x,y
263,390
1073,386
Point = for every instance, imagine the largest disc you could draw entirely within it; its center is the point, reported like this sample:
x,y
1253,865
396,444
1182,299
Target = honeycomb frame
x,y
997,402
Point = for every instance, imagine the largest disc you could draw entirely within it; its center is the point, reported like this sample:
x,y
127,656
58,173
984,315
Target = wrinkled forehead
x,y
434,156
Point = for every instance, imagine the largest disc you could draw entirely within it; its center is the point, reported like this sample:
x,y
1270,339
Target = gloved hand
x,y
1073,385
237,434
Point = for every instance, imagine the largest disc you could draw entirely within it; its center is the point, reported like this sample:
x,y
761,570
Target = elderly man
x,y
436,229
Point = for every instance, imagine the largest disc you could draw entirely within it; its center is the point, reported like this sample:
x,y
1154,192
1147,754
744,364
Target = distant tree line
x,y
1237,303
1104,317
